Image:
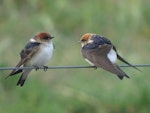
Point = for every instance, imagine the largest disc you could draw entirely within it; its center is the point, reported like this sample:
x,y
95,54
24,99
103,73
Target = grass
x,y
125,23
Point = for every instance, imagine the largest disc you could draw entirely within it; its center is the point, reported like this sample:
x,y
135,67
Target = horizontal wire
x,y
66,67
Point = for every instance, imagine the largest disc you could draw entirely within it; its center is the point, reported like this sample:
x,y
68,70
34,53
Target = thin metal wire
x,y
66,67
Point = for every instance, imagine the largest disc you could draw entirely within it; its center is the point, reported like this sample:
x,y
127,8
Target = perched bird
x,y
100,52
36,53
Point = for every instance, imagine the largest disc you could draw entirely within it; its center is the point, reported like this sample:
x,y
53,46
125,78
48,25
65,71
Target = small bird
x,y
100,52
36,53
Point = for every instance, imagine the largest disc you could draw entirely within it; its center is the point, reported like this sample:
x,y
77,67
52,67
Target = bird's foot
x,y
37,68
45,68
95,67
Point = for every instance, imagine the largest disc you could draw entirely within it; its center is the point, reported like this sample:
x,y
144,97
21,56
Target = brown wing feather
x,y
98,57
26,54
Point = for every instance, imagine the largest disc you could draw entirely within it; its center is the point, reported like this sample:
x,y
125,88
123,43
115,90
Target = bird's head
x,y
86,38
42,37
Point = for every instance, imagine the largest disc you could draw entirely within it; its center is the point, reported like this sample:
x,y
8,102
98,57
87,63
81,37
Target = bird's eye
x,y
46,37
83,40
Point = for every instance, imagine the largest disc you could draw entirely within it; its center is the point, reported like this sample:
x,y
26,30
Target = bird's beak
x,y
52,37
79,41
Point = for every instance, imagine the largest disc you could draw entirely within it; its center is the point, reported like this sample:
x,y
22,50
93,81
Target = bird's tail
x,y
122,76
14,72
123,60
23,77
120,73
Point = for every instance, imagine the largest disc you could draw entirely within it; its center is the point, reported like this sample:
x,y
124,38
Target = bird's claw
x,y
37,68
95,67
45,68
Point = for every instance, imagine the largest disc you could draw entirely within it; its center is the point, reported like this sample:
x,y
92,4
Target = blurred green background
x,y
125,22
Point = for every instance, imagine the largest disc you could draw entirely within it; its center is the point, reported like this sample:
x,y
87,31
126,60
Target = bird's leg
x,y
45,68
95,67
37,67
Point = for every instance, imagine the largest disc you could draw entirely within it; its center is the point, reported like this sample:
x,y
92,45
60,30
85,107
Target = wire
x,y
65,67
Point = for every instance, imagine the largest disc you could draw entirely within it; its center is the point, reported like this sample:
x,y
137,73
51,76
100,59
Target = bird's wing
x,y
26,54
123,60
98,56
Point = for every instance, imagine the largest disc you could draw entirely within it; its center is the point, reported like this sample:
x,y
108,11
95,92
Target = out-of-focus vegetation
x,y
126,23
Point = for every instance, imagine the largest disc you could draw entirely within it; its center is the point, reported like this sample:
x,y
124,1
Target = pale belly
x,y
41,58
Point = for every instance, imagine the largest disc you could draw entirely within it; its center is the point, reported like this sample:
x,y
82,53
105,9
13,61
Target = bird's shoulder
x,y
98,42
32,45
29,49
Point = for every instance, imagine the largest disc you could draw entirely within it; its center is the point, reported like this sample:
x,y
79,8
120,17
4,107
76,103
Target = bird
x,y
100,52
37,52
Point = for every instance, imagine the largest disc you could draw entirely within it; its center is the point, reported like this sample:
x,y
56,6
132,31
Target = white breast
x,y
112,56
43,56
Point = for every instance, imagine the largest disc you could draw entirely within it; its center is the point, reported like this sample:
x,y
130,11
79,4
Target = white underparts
x,y
42,56
112,56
